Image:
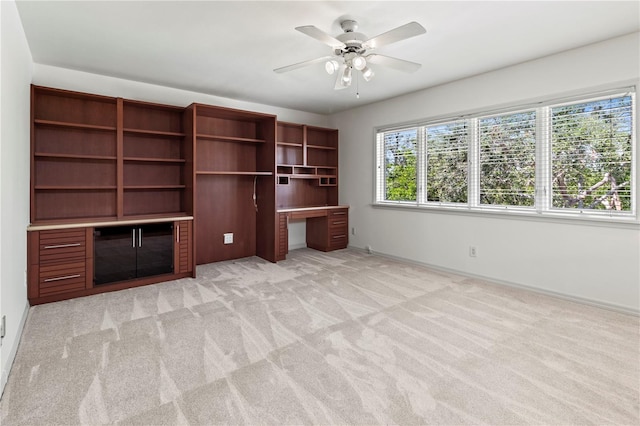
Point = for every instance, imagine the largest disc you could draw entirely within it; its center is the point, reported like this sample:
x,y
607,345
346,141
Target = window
x,y
447,162
556,158
399,164
591,154
507,159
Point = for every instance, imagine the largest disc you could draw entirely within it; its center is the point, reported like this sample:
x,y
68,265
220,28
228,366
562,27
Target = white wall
x,y
15,77
583,261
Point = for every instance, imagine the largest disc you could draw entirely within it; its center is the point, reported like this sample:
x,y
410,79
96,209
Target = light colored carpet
x,y
324,338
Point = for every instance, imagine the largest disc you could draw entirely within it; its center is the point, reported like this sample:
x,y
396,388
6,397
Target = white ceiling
x,y
231,48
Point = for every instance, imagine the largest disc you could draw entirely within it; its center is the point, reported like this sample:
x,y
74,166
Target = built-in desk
x,y
327,227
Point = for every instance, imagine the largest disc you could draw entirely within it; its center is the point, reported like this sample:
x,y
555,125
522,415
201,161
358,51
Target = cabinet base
x,y
109,287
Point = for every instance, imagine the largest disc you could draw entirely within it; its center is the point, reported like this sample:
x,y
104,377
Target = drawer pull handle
x,y
335,237
62,246
339,222
338,213
66,277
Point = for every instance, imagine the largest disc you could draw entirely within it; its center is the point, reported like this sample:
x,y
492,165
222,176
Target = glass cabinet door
x,y
114,254
124,253
155,249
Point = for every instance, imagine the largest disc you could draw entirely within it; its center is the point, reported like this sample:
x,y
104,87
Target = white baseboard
x,y
569,297
6,368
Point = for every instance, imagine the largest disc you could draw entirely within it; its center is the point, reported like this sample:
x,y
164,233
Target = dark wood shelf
x,y
303,176
228,138
73,125
147,187
153,160
74,187
75,156
143,132
296,144
330,148
231,173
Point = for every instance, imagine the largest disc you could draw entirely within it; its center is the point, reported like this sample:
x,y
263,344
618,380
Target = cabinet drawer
x,y
338,222
307,214
339,213
62,245
61,278
339,240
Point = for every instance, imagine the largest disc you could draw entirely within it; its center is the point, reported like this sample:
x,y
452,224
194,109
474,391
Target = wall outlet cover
x,y
228,238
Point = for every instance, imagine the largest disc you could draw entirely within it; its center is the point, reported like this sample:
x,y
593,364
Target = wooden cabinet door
x,y
283,236
183,247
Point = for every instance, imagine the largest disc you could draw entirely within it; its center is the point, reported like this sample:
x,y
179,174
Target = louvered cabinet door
x,y
183,247
283,236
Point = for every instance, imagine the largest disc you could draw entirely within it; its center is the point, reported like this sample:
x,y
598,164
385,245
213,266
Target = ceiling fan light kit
x,y
331,66
350,51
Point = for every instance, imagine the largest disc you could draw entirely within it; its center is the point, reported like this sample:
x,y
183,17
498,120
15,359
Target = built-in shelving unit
x,y
74,155
101,157
307,187
234,157
153,159
99,161
307,165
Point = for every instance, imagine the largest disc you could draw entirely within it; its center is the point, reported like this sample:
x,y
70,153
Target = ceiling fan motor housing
x,y
351,39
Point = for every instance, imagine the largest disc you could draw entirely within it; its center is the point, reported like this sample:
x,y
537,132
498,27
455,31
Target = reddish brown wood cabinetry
x,y
60,261
234,157
307,166
183,248
283,236
102,161
307,186
74,152
96,157
153,160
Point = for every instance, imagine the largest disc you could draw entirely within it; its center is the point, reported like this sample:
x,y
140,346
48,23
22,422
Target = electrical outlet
x,y
228,238
472,251
353,230
369,249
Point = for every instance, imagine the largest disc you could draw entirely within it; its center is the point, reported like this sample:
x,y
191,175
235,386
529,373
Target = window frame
x,y
543,193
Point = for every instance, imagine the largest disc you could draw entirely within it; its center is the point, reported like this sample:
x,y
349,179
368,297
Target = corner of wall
x,y
15,79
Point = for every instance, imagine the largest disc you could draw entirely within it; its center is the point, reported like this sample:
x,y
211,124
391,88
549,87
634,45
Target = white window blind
x,y
572,157
507,150
591,154
447,147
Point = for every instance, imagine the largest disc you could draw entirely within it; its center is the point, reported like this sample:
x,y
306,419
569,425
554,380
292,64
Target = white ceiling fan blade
x,y
320,35
403,32
388,61
302,64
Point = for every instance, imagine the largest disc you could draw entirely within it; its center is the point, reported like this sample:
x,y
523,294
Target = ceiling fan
x,y
352,50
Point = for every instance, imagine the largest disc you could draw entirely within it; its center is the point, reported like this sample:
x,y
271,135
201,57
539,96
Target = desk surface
x,y
306,209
